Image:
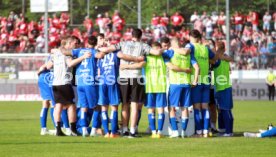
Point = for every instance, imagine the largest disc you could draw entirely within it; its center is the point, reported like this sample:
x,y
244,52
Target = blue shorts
x,y
109,94
154,100
201,94
180,96
87,96
224,99
45,89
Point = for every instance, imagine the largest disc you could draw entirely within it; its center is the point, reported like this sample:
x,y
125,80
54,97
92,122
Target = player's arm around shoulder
x,y
184,51
226,58
50,63
42,68
135,65
175,68
73,62
99,55
196,70
130,58
110,48
196,74
139,65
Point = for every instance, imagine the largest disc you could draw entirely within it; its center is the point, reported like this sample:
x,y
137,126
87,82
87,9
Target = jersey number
x,y
84,63
108,60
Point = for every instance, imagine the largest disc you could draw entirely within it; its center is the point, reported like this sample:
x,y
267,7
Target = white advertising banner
x,y
53,5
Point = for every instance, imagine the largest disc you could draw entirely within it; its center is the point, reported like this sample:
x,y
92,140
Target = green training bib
x,y
155,73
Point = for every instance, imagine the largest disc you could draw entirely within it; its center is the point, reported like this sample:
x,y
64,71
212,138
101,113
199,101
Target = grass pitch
x,y
20,136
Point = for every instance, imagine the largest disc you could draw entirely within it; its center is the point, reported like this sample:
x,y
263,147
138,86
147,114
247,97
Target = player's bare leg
x,y
133,117
125,118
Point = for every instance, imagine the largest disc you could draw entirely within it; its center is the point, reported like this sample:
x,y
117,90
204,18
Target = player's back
x,y
109,68
86,71
61,70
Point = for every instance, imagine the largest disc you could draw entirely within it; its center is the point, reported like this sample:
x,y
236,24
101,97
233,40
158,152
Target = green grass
x,y
19,136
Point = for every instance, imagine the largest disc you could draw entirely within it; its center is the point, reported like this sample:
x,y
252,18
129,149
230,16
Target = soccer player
x,y
180,67
270,132
109,93
46,92
64,115
223,91
156,81
87,87
132,90
200,92
212,103
62,88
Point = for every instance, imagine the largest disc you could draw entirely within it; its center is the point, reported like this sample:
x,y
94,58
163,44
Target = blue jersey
x,y
86,72
46,76
109,69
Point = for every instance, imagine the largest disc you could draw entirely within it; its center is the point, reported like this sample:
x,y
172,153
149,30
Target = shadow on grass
x,y
236,134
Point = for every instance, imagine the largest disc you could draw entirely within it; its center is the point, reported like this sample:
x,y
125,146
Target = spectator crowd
x,y
253,37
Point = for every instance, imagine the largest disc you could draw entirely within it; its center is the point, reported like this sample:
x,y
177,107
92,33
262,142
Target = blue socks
x,y
105,121
114,121
89,115
161,120
184,123
52,116
96,119
198,123
151,118
173,123
269,133
206,119
83,119
64,117
43,117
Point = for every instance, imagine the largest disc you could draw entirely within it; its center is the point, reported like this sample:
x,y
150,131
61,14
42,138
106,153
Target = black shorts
x,y
132,90
64,94
212,97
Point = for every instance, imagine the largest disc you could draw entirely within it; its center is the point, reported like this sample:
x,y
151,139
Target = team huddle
x,y
135,74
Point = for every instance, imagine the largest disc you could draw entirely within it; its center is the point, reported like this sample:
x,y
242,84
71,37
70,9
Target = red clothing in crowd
x,y
32,26
255,18
53,40
164,21
118,22
88,24
155,20
56,23
23,28
4,22
238,19
22,45
221,20
217,34
4,38
100,21
64,18
177,20
12,39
